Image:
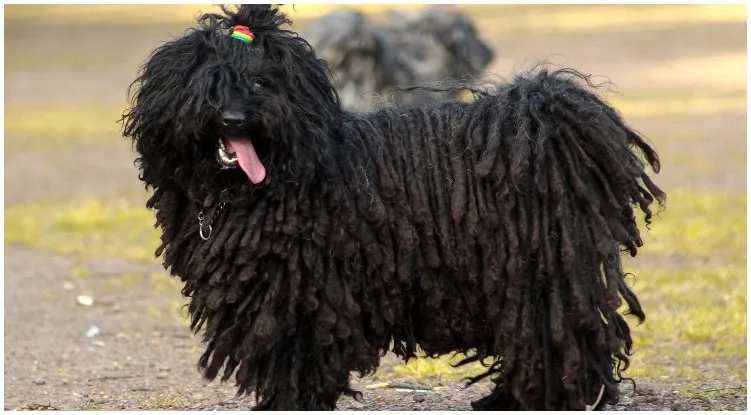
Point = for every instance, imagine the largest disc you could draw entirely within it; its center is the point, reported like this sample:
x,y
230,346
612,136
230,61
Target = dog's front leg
x,y
307,374
283,393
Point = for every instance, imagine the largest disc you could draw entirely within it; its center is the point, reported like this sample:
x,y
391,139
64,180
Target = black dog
x,y
370,64
311,239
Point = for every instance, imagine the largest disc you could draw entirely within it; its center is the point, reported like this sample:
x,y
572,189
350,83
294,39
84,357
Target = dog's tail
x,y
569,175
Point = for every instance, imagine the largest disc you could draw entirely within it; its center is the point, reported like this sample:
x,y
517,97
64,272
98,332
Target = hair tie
x,y
243,33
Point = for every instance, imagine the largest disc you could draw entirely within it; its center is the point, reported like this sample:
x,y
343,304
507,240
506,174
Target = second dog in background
x,y
371,63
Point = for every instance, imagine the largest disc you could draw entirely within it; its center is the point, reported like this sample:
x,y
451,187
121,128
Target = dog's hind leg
x,y
573,180
546,375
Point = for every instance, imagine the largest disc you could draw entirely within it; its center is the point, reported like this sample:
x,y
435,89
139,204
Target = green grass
x,y
36,407
712,393
438,369
691,279
166,401
696,324
427,370
96,407
701,226
87,228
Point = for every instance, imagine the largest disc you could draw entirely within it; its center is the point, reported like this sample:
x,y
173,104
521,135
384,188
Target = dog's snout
x,y
233,119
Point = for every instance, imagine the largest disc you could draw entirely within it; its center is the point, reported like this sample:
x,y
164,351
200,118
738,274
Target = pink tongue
x,y
248,159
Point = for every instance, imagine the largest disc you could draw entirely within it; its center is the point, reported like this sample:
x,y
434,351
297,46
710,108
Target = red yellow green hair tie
x,y
243,33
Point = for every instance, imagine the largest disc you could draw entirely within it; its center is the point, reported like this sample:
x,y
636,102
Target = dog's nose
x,y
233,119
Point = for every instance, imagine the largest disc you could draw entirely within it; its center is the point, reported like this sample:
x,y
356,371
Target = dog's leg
x,y
309,368
289,341
307,377
498,400
548,375
306,400
296,365
290,393
501,399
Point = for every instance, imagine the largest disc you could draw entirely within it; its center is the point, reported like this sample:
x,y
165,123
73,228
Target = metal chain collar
x,y
201,219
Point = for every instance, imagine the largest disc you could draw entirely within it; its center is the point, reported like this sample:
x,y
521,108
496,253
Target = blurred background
x,y
92,321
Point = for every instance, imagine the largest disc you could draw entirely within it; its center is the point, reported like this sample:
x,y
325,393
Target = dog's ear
x,y
162,97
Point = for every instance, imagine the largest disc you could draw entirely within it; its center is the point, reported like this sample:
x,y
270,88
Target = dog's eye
x,y
257,85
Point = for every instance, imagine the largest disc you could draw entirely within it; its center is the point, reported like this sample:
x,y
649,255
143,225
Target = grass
x,y
36,407
712,393
96,407
427,370
696,324
691,279
700,226
163,401
438,369
85,228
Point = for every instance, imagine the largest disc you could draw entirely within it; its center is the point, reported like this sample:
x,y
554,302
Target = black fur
x,y
371,64
490,228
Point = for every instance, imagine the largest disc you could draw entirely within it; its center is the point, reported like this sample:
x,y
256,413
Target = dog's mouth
x,y
234,151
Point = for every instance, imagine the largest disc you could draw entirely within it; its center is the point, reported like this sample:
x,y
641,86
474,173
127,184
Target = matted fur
x,y
371,63
490,228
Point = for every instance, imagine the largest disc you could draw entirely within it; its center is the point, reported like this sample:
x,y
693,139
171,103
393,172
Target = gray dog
x,y
370,62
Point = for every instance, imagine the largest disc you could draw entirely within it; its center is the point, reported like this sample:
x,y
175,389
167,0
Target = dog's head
x,y
232,98
458,35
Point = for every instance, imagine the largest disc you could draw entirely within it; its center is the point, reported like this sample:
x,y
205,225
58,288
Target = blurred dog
x,y
370,62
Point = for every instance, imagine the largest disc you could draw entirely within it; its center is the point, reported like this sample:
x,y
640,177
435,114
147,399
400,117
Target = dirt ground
x,y
141,360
